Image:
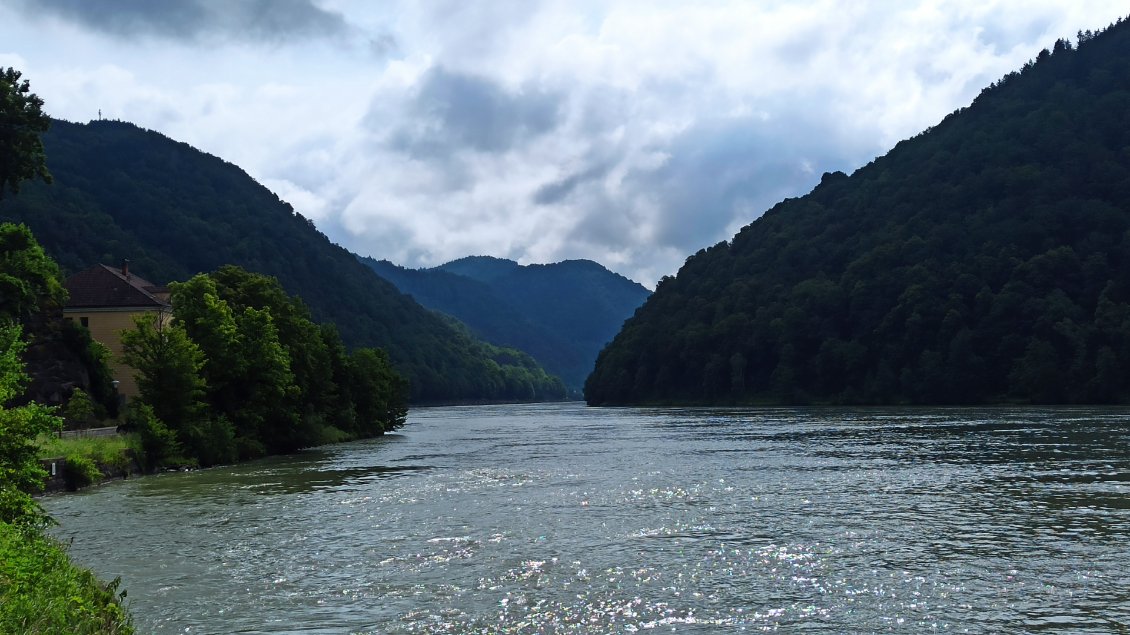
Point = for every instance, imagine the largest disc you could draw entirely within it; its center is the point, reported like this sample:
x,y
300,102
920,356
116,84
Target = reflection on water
x,y
565,519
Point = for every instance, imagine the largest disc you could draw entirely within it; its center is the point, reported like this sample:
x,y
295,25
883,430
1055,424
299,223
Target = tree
x,y
30,281
308,354
21,122
80,411
379,393
210,323
20,471
159,444
268,410
168,368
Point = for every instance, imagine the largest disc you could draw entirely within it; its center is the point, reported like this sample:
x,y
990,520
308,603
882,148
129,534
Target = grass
x,y
111,452
41,591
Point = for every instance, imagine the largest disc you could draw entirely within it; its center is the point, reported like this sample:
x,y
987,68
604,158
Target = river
x,y
566,519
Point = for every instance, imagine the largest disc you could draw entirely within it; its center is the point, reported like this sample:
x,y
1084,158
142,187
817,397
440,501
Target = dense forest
x,y
985,260
121,192
562,314
242,372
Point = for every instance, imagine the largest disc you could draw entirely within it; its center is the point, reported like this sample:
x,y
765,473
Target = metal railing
x,y
89,432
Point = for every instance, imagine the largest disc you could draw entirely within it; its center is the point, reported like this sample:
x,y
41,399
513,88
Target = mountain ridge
x,y
981,261
124,192
560,313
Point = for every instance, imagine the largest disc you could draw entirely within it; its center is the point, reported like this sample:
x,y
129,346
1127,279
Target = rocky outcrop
x,y
55,371
58,359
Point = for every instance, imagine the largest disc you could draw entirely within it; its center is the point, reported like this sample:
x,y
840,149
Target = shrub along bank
x,y
41,591
90,460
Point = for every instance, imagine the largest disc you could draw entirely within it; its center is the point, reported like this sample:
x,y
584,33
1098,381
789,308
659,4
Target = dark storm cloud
x,y
190,20
453,111
735,170
718,174
554,192
384,45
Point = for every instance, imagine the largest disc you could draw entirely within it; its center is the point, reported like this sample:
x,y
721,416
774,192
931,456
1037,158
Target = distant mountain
x,y
124,192
562,314
985,260
485,268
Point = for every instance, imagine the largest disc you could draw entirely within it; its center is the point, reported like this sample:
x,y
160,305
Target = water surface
x,y
566,519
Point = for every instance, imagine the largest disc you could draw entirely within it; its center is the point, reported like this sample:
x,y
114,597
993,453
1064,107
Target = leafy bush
x,y
80,411
20,471
81,471
158,443
41,591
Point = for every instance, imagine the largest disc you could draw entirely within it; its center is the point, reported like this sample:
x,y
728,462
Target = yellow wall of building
x,y
106,328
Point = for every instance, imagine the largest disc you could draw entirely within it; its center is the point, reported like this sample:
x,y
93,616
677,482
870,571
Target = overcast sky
x,y
631,133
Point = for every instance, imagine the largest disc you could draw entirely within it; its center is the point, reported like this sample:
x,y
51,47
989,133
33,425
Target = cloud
x,y
636,135
556,191
723,172
630,132
452,111
197,20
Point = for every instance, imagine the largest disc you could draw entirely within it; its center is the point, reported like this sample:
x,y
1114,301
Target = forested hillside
x,y
562,314
122,192
986,259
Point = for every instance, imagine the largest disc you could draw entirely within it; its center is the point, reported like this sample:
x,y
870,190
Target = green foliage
x,y
20,471
986,260
284,383
80,410
42,592
109,452
379,394
12,376
22,121
80,471
209,323
159,444
269,412
168,366
30,281
32,294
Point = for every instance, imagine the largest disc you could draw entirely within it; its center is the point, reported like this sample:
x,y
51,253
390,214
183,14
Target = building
x,y
106,300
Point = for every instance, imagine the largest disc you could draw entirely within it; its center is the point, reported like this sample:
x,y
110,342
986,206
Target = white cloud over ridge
x,y
632,133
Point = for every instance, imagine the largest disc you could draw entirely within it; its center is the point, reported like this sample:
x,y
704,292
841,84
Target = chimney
x,y
125,268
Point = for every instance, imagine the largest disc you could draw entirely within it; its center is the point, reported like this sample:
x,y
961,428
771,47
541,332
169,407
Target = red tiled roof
x,y
102,286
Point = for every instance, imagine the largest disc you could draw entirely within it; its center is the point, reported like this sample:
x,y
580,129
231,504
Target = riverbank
x,y
42,591
76,462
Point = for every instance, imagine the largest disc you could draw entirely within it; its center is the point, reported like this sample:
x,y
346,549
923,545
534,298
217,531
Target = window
x,y
85,321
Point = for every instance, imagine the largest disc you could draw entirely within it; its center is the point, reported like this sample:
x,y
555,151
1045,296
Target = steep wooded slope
x,y
562,314
987,259
124,192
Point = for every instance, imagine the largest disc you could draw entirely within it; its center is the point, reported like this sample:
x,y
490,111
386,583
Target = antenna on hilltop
x,y
99,114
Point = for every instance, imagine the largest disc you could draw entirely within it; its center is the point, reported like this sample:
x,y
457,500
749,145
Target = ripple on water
x,y
562,519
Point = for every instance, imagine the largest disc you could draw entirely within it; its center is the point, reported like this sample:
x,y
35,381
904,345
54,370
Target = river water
x,y
566,519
